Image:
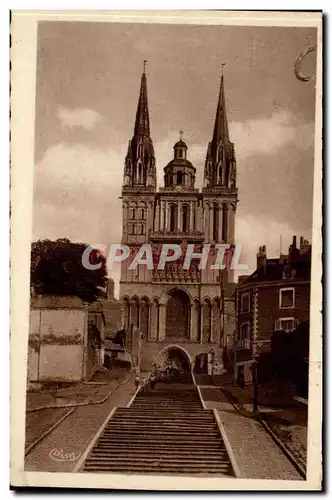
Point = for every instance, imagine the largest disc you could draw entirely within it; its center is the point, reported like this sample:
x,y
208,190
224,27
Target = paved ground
x,y
74,434
255,451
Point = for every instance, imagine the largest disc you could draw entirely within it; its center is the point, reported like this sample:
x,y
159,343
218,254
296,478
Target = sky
x,y
88,78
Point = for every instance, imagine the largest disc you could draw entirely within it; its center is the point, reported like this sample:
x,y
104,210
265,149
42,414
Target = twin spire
x,y
220,132
220,149
142,122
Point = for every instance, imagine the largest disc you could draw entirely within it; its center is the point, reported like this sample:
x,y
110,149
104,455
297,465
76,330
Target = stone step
x,y
170,431
168,408
150,460
161,439
160,450
200,413
160,445
161,418
160,469
166,402
161,424
165,428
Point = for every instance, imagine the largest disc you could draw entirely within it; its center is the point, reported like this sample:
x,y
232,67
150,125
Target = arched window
x,y
215,222
185,218
139,180
143,178
179,178
225,223
172,215
220,174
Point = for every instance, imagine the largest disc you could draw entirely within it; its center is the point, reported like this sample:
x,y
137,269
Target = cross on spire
x,y
181,134
222,67
145,62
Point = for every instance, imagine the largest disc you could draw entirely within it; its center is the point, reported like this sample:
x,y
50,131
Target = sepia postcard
x,y
166,250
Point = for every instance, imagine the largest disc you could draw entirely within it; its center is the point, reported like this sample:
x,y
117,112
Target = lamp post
x,y
222,310
255,383
255,350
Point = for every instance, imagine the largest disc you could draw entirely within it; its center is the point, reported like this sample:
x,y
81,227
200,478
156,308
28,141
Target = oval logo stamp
x,y
59,455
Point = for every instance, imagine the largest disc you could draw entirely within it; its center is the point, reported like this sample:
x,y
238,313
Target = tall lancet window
x,y
139,172
134,174
144,175
215,222
220,174
185,218
172,218
225,223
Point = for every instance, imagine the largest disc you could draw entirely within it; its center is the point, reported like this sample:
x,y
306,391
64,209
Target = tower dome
x,y
180,172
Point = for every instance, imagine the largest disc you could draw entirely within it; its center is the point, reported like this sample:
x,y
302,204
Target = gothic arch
x,y
166,294
174,349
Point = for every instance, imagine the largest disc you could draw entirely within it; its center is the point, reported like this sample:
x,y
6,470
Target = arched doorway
x,y
177,315
175,364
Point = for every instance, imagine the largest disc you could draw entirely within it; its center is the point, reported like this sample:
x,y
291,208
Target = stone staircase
x,y
164,431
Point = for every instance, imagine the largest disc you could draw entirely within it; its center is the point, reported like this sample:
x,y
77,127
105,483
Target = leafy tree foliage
x,y
57,269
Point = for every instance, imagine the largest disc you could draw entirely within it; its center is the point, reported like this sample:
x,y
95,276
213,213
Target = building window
x,y
225,223
172,215
132,214
285,324
132,228
141,229
215,222
244,340
142,214
179,178
184,218
245,302
180,153
286,298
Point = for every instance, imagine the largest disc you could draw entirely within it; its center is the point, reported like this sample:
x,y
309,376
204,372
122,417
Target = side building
x,y
276,296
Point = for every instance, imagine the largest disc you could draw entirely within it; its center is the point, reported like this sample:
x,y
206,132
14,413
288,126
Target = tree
x,y
57,269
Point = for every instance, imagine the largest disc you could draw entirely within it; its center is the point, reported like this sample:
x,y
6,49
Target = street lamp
x,y
255,383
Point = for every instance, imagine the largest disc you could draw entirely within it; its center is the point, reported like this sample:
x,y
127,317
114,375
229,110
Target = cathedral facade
x,y
178,312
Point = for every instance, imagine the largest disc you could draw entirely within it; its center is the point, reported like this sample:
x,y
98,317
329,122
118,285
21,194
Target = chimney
x,y
294,252
261,257
304,245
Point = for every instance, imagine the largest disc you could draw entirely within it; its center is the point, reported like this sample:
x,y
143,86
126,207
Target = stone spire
x,y
142,122
220,164
140,163
220,132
